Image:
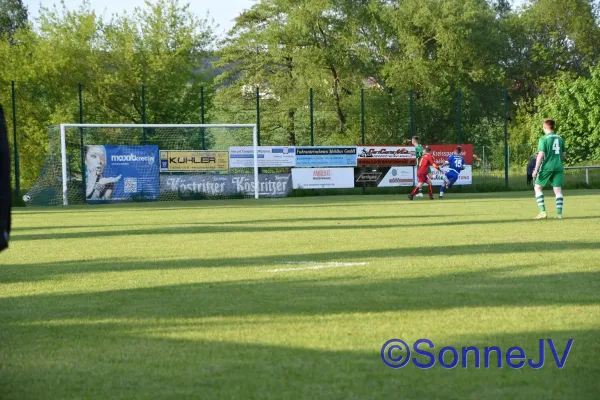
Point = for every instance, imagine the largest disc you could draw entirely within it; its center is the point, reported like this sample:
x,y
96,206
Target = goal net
x,y
102,163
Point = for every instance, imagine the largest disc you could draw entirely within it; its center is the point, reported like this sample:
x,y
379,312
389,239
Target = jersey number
x,y
458,163
556,146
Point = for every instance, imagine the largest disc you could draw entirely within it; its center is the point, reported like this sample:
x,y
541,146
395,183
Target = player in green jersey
x,y
418,154
549,168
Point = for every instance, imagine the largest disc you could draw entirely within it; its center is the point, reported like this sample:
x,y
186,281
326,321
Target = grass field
x,y
293,298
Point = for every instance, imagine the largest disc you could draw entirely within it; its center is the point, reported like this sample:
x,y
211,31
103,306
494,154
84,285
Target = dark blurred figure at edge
x,y
5,189
530,168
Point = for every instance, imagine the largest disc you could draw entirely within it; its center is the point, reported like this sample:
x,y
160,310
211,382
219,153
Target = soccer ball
x,y
26,198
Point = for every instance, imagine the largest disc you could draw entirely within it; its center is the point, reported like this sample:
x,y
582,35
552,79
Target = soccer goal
x,y
102,163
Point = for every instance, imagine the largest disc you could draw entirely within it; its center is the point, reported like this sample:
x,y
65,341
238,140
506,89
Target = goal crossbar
x,y
63,144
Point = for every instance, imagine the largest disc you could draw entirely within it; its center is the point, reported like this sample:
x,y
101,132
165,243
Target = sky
x,y
223,11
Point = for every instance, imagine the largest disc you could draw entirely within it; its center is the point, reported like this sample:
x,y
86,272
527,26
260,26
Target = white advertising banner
x,y
268,156
398,176
322,178
464,178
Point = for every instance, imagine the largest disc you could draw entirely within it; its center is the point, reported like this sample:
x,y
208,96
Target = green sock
x,y
540,201
559,205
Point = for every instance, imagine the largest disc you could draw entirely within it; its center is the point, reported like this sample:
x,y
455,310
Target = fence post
x,y
362,126
459,116
483,158
82,154
506,137
391,106
312,126
202,117
143,113
258,115
15,144
362,115
410,114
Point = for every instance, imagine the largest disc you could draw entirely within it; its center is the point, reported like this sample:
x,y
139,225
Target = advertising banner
x,y
441,152
193,160
333,156
465,177
383,176
322,178
268,156
117,173
386,155
269,185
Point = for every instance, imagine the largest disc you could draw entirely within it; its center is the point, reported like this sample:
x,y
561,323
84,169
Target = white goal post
x,y
63,144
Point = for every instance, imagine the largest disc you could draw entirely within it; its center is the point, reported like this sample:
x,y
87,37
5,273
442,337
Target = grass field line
x,y
318,266
577,315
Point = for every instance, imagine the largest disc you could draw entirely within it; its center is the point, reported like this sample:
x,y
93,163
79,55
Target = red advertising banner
x,y
441,152
386,155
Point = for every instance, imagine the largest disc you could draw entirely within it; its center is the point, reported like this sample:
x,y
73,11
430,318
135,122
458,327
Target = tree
x,y
259,56
284,48
573,102
548,38
13,16
437,47
162,46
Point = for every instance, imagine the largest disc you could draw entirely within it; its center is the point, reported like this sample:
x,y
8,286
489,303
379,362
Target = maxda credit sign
x,y
193,160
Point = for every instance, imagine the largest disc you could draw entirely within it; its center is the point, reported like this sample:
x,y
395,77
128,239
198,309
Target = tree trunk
x,y
336,93
291,127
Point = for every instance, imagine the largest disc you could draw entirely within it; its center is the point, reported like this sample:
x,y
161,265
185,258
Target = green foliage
x,y
13,16
338,48
285,48
550,37
163,46
436,47
573,102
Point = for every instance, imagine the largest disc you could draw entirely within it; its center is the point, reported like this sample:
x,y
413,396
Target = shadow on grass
x,y
40,271
202,228
322,201
276,295
289,202
110,224
133,361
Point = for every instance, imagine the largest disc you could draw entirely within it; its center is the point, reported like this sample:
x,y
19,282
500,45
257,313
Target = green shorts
x,y
555,178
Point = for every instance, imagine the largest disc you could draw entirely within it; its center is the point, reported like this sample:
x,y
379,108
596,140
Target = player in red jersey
x,y
422,173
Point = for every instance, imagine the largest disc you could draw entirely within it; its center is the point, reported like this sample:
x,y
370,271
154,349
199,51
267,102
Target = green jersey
x,y
418,152
553,147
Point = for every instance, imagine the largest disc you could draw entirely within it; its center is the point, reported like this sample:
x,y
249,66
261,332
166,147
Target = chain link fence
x,y
317,117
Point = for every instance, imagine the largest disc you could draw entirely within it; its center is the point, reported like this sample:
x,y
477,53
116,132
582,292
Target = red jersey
x,y
426,162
